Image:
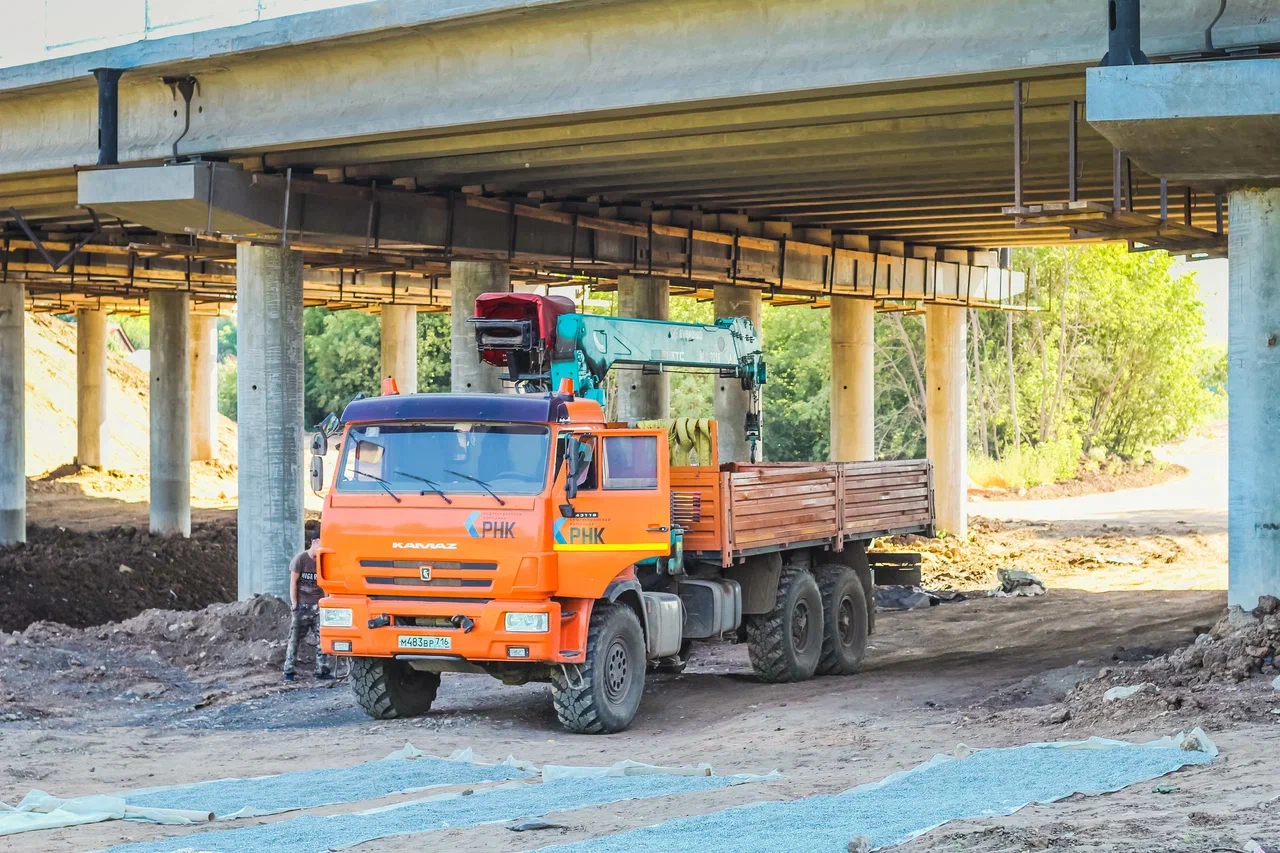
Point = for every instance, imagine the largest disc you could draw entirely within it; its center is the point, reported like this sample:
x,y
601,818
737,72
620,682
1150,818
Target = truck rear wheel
x,y
604,693
786,643
844,608
389,689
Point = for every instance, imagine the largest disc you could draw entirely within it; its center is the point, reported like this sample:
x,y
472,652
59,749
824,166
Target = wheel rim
x,y
844,622
800,627
617,671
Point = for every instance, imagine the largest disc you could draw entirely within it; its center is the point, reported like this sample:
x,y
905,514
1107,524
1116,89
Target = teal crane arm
x,y
588,346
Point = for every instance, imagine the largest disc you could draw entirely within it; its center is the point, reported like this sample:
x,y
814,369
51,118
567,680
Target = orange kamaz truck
x,y
524,536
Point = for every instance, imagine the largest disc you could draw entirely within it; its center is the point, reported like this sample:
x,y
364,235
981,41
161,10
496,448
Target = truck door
x,y
622,513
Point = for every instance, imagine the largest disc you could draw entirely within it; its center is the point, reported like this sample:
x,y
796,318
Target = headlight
x,y
527,623
335,617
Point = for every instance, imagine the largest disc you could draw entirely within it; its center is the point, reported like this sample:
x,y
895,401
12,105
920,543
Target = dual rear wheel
x,y
818,626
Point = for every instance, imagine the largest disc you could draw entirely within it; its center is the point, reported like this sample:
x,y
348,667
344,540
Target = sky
x,y
45,29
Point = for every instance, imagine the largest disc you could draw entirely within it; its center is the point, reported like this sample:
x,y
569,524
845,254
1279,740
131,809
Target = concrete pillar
x,y
732,403
642,396
91,387
269,414
467,280
853,374
13,386
400,346
1253,386
170,413
946,432
204,388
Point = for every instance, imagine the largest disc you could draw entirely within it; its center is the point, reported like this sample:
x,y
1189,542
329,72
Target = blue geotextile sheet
x,y
311,834
987,783
305,789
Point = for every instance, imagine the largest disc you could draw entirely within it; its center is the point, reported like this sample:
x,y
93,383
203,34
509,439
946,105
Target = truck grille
x,y
469,583
443,565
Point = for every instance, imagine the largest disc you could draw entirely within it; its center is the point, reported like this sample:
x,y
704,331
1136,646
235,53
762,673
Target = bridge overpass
x,y
409,155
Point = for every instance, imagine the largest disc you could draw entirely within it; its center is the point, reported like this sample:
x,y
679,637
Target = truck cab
x,y
484,533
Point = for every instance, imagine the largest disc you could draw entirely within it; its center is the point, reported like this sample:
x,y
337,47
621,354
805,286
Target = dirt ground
x,y
177,697
172,696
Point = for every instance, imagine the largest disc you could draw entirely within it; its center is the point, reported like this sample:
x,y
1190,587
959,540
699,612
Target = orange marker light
x,y
566,386
390,388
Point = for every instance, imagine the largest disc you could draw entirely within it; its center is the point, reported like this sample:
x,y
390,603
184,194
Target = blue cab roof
x,y
510,408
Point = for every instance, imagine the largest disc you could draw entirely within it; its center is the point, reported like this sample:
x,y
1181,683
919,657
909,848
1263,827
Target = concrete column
x,y
269,414
13,386
204,388
400,346
91,387
1253,385
946,433
170,413
853,374
467,280
732,403
642,396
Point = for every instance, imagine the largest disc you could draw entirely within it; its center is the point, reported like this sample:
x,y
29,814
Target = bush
x,y
1051,462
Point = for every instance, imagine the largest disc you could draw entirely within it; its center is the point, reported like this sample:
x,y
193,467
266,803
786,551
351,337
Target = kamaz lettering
x,y
424,546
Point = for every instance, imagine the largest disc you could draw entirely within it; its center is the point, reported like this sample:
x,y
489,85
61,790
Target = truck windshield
x,y
510,459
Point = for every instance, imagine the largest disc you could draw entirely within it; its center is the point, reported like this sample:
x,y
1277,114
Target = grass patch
x,y
1051,462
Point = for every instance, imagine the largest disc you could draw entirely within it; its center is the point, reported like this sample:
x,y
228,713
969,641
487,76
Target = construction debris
x,y
1015,582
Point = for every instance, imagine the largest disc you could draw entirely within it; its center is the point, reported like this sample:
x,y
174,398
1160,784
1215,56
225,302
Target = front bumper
x,y
488,640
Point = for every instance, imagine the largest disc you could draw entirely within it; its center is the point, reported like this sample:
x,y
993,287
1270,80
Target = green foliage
x,y
137,328
797,397
226,338
1028,466
227,391
1114,359
434,352
341,355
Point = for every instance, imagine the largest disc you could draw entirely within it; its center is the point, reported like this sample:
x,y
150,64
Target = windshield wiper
x,y
430,483
381,482
481,483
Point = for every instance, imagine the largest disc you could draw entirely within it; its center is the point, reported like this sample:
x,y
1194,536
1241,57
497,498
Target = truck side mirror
x,y
317,473
319,443
572,461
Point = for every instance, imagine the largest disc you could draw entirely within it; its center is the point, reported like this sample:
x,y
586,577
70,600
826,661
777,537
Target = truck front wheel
x,y
844,608
786,642
602,695
389,689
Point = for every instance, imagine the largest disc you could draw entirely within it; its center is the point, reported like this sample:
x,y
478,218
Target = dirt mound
x,y
82,579
190,658
1213,677
51,403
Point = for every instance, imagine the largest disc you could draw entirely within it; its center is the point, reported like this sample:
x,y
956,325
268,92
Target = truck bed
x,y
741,510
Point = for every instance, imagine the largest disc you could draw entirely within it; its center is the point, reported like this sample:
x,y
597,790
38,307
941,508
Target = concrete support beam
x,y
170,414
853,372
271,434
642,396
13,386
946,431
469,279
204,388
1253,523
91,387
400,346
732,403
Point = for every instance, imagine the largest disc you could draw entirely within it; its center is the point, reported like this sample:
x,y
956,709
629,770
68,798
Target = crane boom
x,y
543,341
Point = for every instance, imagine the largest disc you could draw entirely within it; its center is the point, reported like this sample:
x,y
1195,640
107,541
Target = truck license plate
x,y
432,644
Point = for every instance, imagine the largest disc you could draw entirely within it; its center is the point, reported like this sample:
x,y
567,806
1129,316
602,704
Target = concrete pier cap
x,y
1216,126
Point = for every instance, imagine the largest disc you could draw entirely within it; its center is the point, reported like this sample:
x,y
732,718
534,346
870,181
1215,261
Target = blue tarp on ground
x,y
305,789
311,834
987,783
